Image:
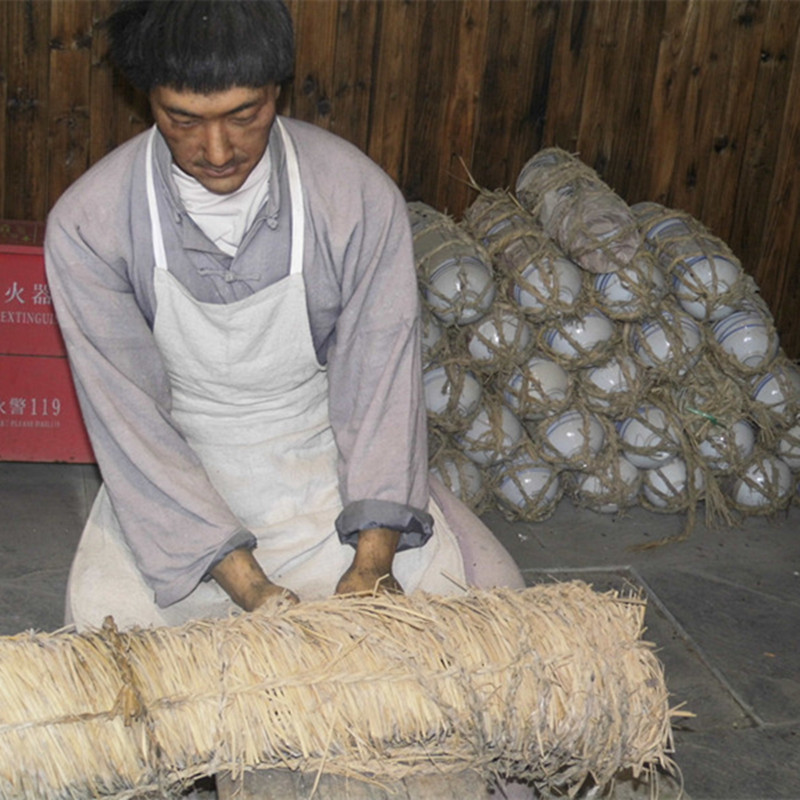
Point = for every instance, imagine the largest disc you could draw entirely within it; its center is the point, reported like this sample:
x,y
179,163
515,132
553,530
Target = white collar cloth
x,y
225,218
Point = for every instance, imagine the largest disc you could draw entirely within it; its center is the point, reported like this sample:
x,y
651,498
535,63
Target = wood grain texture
x,y
4,27
26,64
395,74
514,95
691,103
68,117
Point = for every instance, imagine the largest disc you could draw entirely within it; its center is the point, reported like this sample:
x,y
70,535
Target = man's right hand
x,y
241,576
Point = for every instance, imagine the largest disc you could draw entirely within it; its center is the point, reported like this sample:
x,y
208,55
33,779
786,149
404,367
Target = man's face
x,y
216,138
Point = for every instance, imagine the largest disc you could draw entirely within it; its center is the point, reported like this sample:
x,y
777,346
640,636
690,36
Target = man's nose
x,y
218,148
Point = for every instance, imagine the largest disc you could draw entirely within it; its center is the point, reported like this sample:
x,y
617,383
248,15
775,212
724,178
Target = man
x,y
238,298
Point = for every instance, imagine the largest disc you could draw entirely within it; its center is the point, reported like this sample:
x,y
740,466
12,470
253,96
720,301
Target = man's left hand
x,y
371,570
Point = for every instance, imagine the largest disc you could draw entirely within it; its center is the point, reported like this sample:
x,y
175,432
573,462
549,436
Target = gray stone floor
x,y
723,610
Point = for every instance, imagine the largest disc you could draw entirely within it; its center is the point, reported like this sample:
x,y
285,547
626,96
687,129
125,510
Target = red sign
x,y
39,415
27,321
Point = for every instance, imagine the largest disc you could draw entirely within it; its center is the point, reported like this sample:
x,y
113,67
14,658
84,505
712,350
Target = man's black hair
x,y
202,46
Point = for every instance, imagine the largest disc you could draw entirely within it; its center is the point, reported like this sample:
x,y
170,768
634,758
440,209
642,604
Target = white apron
x,y
252,402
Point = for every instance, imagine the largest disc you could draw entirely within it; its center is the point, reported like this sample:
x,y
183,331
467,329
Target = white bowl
x,y
747,337
778,389
463,478
495,229
667,230
527,482
589,332
668,484
538,384
572,434
484,444
498,337
666,339
767,481
438,389
631,289
558,280
654,435
645,212
700,281
612,378
598,489
460,291
719,444
431,333
789,447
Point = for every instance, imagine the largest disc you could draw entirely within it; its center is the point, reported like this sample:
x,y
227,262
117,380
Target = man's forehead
x,y
227,101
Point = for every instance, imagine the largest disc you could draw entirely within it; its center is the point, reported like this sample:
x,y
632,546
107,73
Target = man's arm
x,y
241,576
376,404
371,569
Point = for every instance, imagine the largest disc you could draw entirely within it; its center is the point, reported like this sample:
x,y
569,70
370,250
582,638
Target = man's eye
x,y
244,120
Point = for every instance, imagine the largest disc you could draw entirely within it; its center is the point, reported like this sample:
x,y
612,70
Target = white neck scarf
x,y
225,218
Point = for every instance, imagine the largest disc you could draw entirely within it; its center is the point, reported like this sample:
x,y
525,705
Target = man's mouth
x,y
220,172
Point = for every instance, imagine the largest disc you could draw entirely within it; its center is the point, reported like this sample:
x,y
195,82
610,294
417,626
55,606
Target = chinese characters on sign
x,y
29,412
27,305
40,418
28,323
16,304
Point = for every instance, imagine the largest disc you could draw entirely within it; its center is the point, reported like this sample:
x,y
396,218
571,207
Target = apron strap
x,y
296,194
159,252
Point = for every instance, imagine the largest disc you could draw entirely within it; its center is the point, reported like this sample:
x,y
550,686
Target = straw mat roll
x,y
549,684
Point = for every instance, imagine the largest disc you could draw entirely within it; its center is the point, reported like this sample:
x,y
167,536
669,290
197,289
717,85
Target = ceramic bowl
x,y
668,484
597,490
438,390
558,280
486,443
588,332
646,213
619,374
788,447
668,229
719,444
498,337
766,481
653,436
538,383
699,282
747,337
778,390
463,478
631,289
431,333
527,482
572,434
460,291
669,338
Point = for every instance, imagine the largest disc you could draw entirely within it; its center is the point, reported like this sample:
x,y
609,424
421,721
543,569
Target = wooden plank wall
x,y
692,103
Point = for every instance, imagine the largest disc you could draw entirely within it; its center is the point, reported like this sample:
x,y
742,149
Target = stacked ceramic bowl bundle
x,y
573,344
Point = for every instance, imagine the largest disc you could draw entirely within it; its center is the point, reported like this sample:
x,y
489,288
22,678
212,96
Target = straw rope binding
x,y
550,684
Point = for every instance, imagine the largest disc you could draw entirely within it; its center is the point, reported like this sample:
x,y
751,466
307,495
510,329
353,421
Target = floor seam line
x,y
688,639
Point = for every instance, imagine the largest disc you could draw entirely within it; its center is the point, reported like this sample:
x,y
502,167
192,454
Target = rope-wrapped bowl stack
x,y
550,684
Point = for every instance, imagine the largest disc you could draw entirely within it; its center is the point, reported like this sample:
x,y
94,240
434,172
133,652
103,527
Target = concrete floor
x,y
724,611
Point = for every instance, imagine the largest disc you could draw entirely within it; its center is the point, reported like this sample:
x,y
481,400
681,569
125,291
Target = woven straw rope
x,y
549,684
